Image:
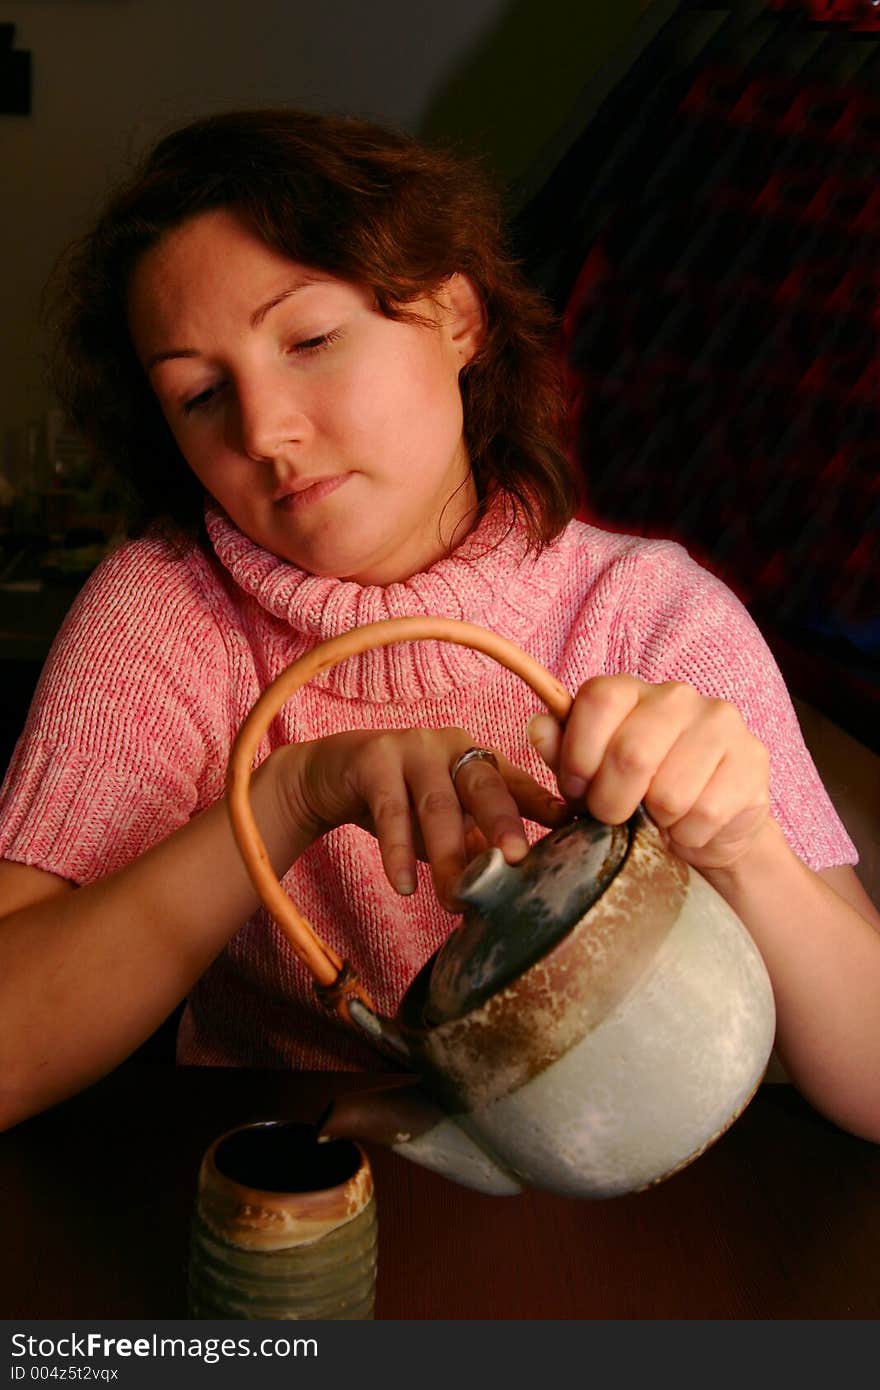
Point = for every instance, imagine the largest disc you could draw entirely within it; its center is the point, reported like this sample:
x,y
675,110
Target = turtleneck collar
x,y
489,579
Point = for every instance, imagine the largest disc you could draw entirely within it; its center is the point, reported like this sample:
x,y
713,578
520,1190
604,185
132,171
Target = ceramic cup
x,y
284,1227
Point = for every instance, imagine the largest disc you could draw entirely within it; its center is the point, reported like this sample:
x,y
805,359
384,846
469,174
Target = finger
x,y
545,736
475,841
726,815
533,801
638,749
600,707
484,793
683,775
391,823
440,817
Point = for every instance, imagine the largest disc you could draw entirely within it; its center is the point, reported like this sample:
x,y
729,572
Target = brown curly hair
x,y
366,204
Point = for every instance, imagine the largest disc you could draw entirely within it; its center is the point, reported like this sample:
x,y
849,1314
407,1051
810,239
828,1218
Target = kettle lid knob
x,y
515,913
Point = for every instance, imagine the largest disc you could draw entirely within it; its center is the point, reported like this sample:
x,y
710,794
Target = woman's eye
x,y
306,347
311,345
201,400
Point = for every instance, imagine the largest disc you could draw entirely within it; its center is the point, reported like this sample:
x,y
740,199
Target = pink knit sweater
x,y
162,656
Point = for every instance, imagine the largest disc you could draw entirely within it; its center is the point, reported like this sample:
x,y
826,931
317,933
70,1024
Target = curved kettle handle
x,y
334,979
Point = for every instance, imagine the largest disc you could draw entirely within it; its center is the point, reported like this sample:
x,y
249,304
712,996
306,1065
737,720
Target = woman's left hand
x,y
690,760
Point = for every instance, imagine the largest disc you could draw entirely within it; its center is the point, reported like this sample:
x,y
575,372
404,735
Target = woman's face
x,y
331,435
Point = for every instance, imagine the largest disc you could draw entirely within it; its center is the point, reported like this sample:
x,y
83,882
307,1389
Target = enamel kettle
x,y
599,1018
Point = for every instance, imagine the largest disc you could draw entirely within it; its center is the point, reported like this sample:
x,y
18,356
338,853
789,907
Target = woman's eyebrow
x,y
259,314
256,319
169,356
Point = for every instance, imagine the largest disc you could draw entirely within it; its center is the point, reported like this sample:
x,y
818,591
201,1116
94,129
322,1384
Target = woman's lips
x,y
294,501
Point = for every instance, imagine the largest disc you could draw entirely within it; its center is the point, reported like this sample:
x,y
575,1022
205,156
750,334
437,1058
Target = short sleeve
x,y
126,737
679,622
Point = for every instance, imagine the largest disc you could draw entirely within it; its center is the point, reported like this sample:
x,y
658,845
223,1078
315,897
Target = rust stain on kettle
x,y
521,1030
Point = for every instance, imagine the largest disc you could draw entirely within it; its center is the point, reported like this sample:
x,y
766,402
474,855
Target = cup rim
x,y
251,1217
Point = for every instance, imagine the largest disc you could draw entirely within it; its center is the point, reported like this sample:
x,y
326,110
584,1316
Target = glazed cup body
x,y
284,1227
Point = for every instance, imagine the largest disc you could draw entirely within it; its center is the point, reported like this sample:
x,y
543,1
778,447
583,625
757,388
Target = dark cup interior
x,y
285,1158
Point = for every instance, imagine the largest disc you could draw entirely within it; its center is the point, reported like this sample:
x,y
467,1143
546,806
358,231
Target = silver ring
x,y
471,755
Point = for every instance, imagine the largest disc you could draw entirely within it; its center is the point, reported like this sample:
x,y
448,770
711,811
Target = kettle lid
x,y
515,913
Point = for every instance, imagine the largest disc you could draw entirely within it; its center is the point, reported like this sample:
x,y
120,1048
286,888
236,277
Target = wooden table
x,y
781,1219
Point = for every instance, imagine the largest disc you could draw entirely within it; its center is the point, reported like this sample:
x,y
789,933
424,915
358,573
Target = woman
x,y
302,338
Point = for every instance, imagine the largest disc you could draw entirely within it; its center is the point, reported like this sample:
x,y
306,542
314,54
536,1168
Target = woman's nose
x,y
270,418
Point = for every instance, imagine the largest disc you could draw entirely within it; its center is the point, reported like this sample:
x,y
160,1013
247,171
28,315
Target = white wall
x,y
109,75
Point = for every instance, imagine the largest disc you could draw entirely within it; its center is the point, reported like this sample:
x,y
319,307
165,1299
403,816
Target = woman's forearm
x,y
823,958
87,974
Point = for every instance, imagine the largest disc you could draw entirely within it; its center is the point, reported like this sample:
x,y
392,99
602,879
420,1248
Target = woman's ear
x,y
464,316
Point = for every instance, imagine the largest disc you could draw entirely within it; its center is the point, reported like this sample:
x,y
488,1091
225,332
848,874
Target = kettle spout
x,y
406,1120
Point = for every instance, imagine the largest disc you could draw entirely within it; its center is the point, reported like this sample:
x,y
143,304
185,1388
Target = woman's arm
x,y
704,778
819,935
87,974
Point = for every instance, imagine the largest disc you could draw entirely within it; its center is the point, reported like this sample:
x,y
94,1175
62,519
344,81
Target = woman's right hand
x,y
398,786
